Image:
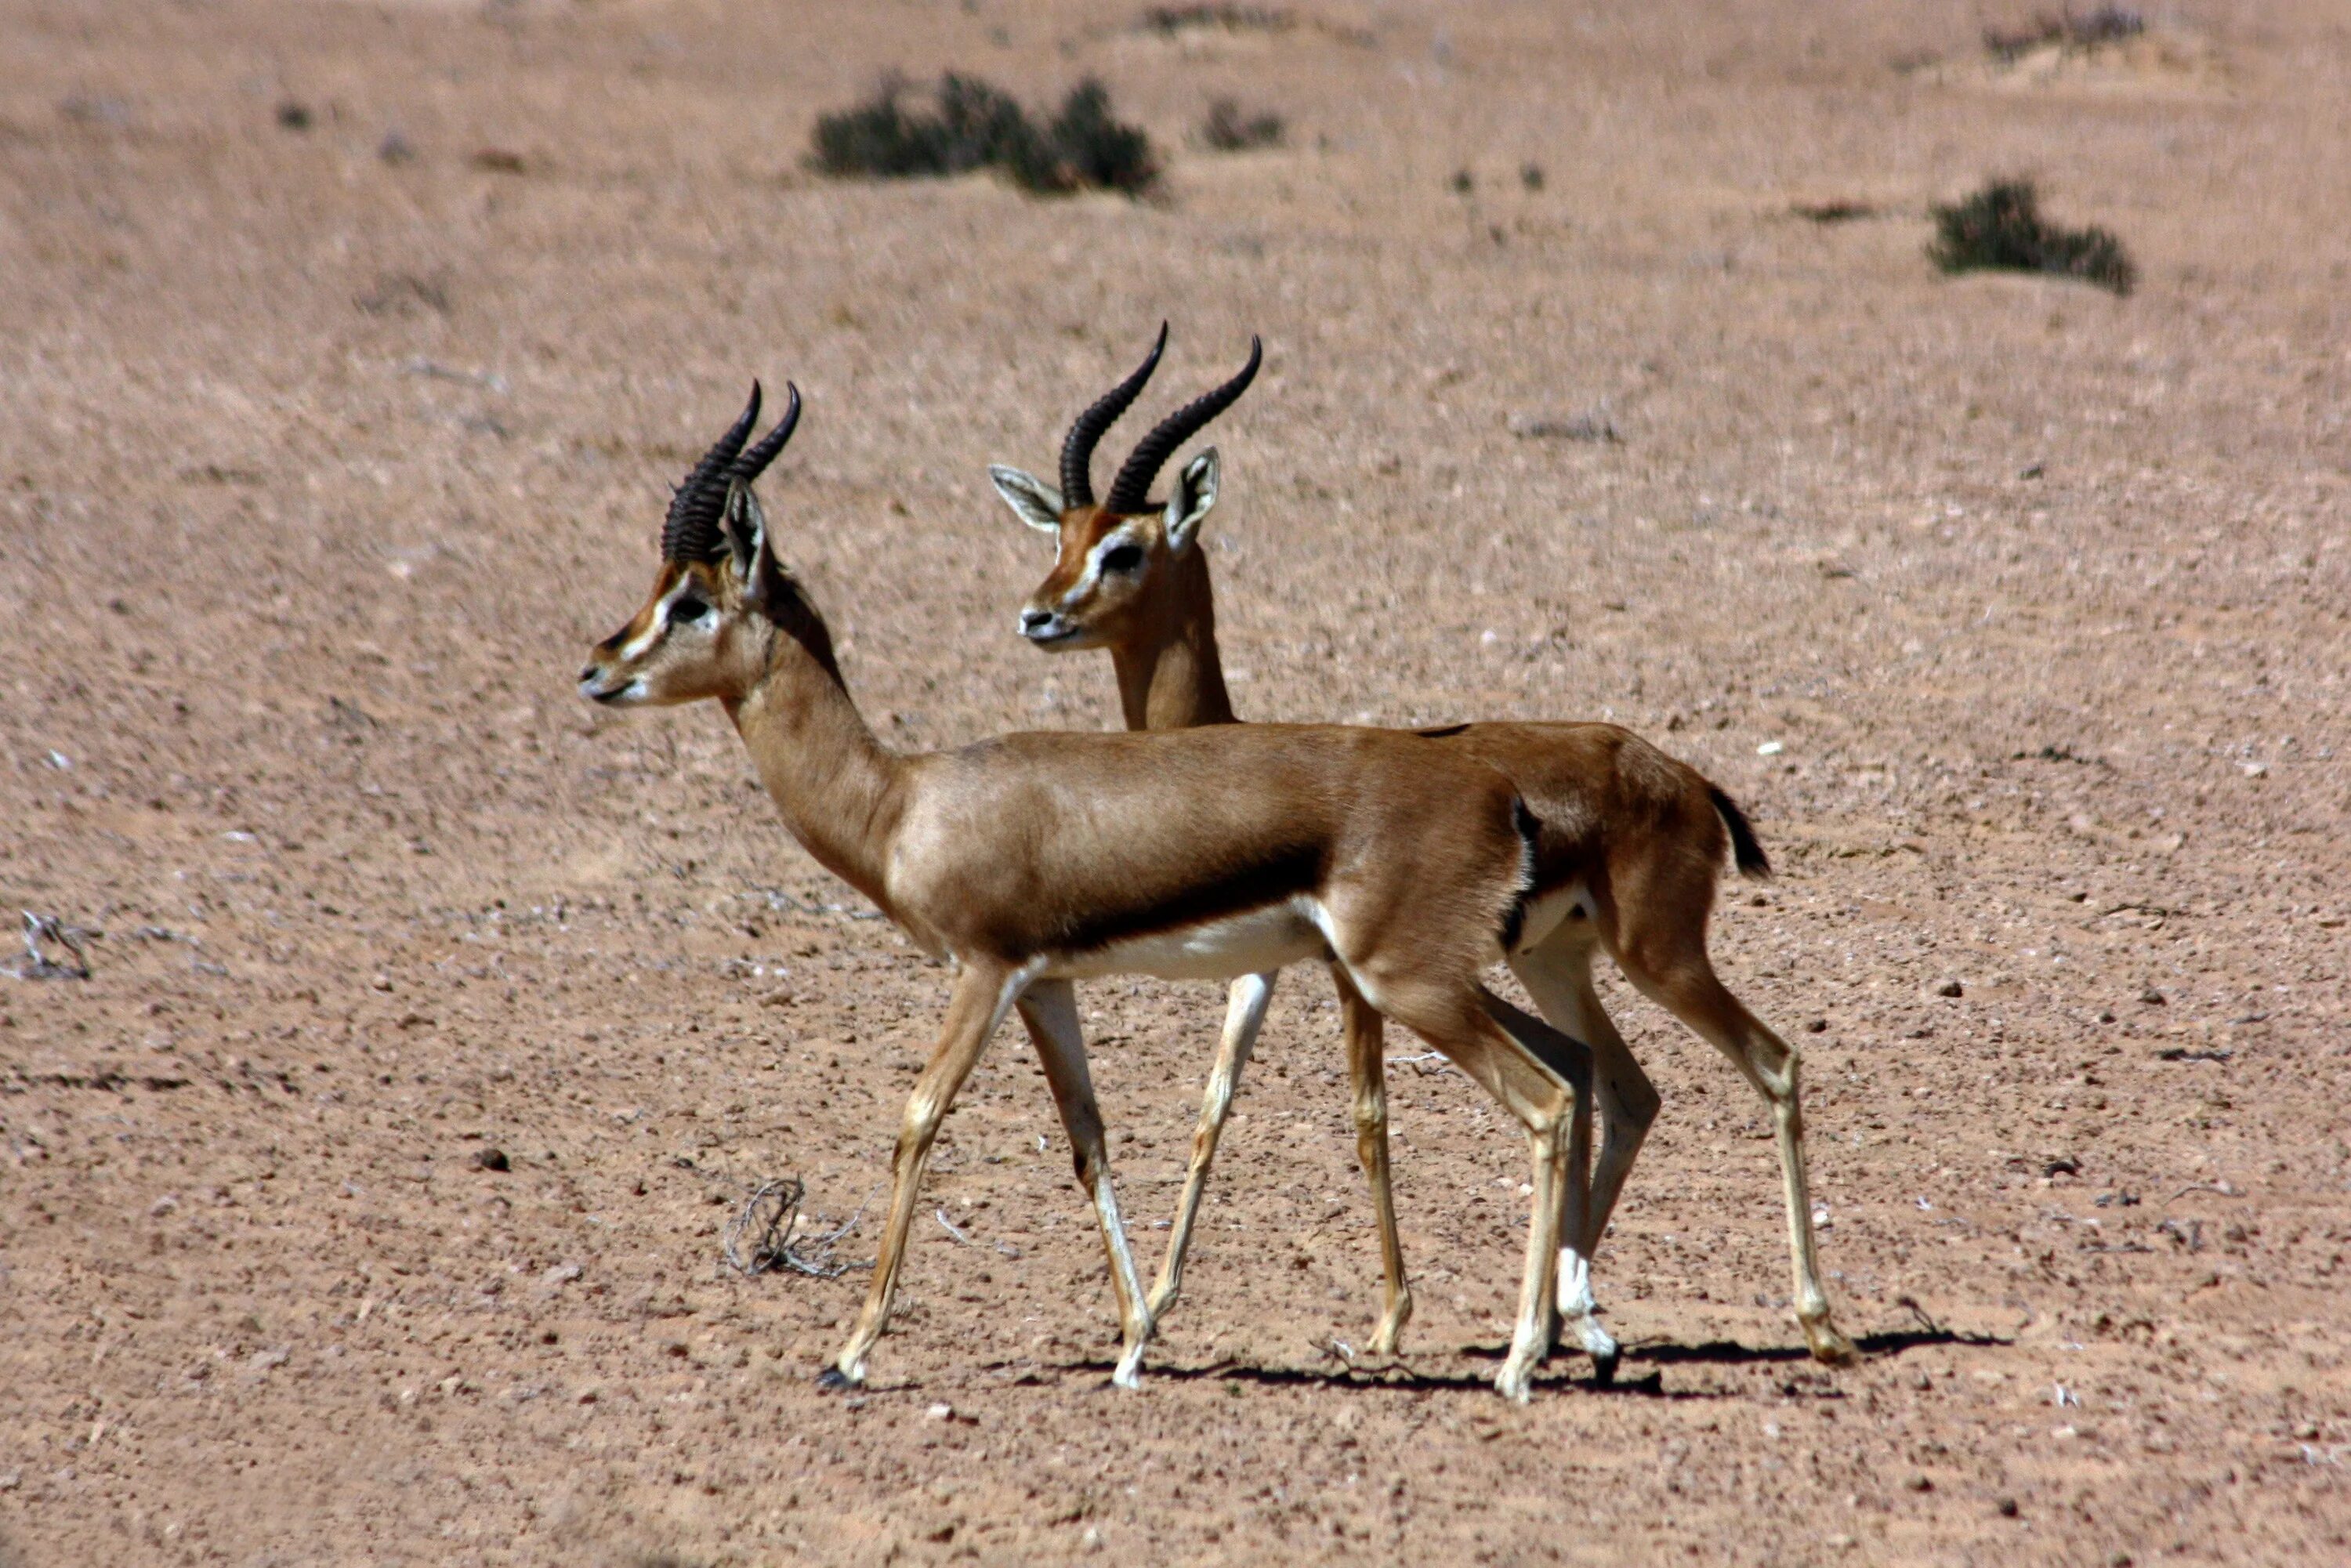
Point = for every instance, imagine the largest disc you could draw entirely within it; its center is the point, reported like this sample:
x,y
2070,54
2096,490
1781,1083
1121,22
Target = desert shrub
x,y
970,124
1173,19
1229,130
1093,147
2107,25
2001,228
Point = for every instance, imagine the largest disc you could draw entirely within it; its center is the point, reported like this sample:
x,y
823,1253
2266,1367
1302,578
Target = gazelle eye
x,y
1123,557
687,609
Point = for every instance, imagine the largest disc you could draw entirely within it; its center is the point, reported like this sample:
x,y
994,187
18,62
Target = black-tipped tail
x,y
1529,831
1745,852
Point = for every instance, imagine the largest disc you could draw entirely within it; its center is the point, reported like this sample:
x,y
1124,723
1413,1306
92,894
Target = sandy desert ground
x,y
347,353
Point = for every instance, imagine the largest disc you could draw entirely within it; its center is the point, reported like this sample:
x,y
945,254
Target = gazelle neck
x,y
1169,676
841,790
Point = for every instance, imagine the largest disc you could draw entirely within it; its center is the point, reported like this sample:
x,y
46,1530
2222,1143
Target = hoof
x,y
1603,1367
1518,1387
1829,1346
832,1380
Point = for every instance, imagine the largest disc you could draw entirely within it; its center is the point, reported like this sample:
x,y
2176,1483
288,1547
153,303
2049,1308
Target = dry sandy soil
x,y
320,468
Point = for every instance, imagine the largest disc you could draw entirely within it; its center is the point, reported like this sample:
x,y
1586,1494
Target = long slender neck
x,y
840,791
1169,676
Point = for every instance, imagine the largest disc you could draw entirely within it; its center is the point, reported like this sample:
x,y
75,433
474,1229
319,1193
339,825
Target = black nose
x,y
1032,618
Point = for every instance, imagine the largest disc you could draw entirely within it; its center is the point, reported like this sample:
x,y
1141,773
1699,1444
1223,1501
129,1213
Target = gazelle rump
x,y
1628,854
1029,859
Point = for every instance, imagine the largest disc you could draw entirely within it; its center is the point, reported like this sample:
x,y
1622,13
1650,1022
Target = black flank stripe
x,y
1284,874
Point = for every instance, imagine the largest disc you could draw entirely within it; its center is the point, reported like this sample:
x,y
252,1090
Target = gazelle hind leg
x,y
1544,1079
1367,1070
1693,994
982,995
1244,1014
1050,1012
1558,976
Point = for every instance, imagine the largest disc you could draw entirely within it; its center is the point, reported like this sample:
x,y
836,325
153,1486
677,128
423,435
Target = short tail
x,y
1748,854
1529,831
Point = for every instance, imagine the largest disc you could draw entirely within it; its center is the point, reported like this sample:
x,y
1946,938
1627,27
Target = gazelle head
x,y
1114,554
705,631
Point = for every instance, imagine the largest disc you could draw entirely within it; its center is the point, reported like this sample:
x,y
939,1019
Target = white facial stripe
x,y
641,644
1094,561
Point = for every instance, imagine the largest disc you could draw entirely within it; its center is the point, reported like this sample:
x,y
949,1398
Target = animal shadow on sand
x,y
1401,1374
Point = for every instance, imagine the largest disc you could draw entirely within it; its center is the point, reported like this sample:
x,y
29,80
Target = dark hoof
x,y
832,1380
1604,1369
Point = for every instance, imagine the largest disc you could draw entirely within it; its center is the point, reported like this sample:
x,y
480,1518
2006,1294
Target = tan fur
x,y
1016,855
1636,830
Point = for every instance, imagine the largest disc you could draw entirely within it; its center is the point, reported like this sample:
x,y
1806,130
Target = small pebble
x,y
493,1159
1950,988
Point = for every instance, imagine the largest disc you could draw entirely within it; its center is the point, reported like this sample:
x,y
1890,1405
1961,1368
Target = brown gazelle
x,y
1031,859
1630,847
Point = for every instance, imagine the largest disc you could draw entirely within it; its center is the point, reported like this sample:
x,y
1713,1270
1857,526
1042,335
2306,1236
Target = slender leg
x,y
982,994
1050,1011
1693,994
1544,1080
1558,976
1367,1069
1244,1013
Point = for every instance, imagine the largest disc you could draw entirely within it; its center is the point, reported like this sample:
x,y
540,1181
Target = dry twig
x,y
767,1220
38,964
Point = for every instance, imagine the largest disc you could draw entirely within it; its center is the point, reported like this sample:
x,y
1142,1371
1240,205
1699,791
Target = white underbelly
x,y
1246,943
1547,914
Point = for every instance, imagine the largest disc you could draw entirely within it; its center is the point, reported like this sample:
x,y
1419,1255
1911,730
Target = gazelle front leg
x,y
1367,1070
1050,1011
982,994
1558,976
1244,1013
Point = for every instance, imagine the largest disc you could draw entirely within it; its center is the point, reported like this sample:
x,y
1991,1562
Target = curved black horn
x,y
1078,449
691,531
1131,491
754,463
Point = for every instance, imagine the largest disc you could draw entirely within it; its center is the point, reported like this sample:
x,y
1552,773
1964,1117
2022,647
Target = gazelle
x,y
1630,847
1031,859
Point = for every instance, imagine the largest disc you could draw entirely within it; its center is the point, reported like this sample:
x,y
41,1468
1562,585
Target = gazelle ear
x,y
1188,502
1035,503
746,524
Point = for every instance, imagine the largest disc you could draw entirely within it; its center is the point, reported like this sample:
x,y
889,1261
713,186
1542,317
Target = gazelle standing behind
x,y
1630,847
1031,859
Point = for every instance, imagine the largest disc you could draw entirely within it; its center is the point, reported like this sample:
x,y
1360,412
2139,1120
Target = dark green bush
x,y
970,124
2107,25
1227,130
2001,228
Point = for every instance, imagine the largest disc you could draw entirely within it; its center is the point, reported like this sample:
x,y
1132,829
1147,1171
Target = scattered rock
x,y
2007,1508
493,1159
1920,1483
497,160
1950,988
395,148
293,115
2153,998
